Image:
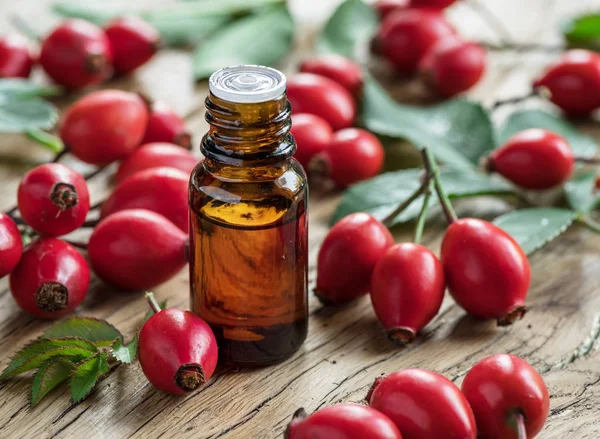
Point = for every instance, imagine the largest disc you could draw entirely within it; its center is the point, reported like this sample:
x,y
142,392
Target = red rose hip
x,y
407,289
487,272
338,68
11,245
155,155
505,390
454,66
161,190
314,94
164,125
386,7
16,59
137,249
177,351
312,134
574,82
77,54
133,40
53,199
51,280
405,36
353,155
104,126
423,404
348,256
534,159
342,421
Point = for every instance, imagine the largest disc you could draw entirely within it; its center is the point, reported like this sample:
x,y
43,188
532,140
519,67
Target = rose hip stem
x,y
521,431
387,221
515,100
595,160
152,302
422,218
433,171
524,47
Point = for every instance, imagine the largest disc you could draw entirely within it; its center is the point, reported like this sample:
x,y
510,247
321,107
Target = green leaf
x,y
534,227
35,354
457,132
582,145
49,375
583,31
178,23
349,29
581,192
21,89
18,116
99,332
379,196
86,375
262,38
125,354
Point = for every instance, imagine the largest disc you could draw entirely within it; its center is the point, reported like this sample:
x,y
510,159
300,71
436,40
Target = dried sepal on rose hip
x,y
177,350
137,249
342,421
53,199
77,54
423,404
533,159
51,279
509,398
11,245
104,126
348,256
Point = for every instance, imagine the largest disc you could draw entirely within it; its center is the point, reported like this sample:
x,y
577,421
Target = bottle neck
x,y
248,135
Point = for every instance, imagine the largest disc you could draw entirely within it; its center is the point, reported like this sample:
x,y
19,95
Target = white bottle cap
x,y
247,84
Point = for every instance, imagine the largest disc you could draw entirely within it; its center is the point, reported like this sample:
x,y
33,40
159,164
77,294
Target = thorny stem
x,y
521,430
387,221
491,19
523,47
434,173
514,100
423,214
152,302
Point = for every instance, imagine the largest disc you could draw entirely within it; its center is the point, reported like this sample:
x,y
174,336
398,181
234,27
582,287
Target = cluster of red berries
x,y
141,239
485,270
414,36
323,98
78,53
502,397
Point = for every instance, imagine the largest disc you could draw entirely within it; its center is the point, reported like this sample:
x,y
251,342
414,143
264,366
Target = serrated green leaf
x,y
125,353
582,145
261,38
349,29
99,332
36,353
86,375
581,192
458,132
49,375
583,31
534,227
379,196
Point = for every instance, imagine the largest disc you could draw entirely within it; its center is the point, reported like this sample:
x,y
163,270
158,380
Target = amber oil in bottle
x,y
248,221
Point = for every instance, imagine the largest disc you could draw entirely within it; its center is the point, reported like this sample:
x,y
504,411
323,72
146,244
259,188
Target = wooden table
x,y
346,348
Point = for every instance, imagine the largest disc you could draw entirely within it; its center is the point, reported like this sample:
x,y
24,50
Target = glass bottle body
x,y
248,234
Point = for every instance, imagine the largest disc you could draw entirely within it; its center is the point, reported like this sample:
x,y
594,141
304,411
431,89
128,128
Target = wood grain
x,y
346,348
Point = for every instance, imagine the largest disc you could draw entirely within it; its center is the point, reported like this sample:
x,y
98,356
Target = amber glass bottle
x,y
248,221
